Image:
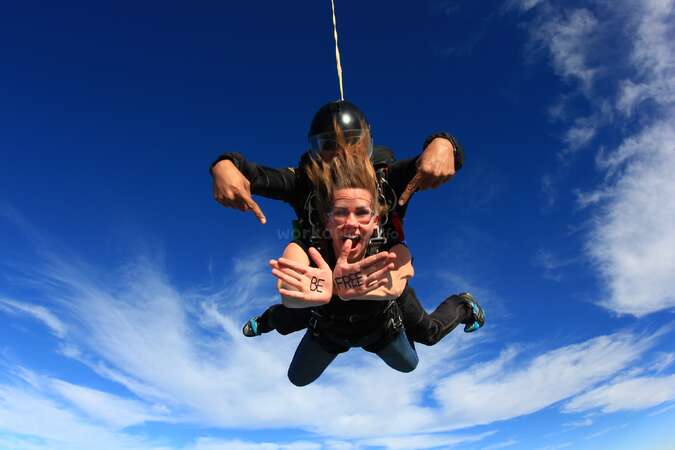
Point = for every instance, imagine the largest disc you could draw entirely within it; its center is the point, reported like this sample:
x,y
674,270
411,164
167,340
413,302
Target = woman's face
x,y
352,217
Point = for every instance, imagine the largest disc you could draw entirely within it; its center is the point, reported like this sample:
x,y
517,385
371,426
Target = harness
x,y
335,332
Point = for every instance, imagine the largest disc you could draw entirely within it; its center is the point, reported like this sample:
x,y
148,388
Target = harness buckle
x,y
313,322
353,318
395,322
377,241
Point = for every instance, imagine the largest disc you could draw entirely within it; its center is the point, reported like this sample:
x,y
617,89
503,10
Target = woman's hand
x,y
302,282
355,280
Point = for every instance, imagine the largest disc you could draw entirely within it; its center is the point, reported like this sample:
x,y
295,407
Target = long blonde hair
x,y
350,168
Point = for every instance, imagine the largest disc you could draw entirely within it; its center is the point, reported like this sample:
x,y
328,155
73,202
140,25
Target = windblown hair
x,y
350,168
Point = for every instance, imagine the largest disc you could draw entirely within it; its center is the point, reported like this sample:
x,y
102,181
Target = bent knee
x,y
429,338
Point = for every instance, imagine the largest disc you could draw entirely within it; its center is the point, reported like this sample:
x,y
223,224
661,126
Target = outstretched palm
x,y
355,280
302,282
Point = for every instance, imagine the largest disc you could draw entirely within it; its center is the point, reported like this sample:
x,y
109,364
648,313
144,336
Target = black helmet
x,y
348,117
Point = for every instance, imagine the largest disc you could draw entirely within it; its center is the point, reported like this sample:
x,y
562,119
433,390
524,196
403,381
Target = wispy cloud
x,y
236,444
447,7
46,424
632,244
523,5
566,34
587,422
507,443
181,358
552,264
37,312
626,395
502,389
605,431
112,410
557,446
424,441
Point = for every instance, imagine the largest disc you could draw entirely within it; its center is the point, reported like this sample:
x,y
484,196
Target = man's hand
x,y
304,283
355,280
435,166
232,190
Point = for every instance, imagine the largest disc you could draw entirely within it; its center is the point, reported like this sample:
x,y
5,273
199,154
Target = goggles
x,y
327,142
341,215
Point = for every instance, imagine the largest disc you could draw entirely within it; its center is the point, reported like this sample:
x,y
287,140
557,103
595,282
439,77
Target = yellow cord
x,y
337,51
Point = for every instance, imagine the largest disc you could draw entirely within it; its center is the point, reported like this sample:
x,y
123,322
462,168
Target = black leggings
x,y
421,327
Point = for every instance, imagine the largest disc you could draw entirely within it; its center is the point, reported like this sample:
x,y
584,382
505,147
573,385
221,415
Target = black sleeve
x,y
277,184
400,173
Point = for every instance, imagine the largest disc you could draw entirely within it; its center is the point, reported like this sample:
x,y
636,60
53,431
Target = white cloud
x,y
566,36
524,5
112,410
633,243
424,441
551,264
662,361
45,424
339,445
604,431
507,443
632,92
236,444
185,361
496,391
191,357
37,312
587,422
626,395
663,410
557,446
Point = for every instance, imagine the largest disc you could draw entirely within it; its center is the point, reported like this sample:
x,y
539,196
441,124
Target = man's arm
x,y
235,178
442,156
277,184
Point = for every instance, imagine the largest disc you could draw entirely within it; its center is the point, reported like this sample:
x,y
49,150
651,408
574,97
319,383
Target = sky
x,y
124,285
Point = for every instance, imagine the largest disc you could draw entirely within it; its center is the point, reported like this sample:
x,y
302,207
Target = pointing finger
x,y
253,206
409,189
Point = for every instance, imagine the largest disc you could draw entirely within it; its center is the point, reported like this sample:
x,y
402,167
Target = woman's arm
x,y
398,277
313,285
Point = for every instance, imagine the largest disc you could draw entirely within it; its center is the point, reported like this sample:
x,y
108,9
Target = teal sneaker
x,y
251,328
477,313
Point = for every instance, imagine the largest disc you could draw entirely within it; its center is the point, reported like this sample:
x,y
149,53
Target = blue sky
x,y
123,285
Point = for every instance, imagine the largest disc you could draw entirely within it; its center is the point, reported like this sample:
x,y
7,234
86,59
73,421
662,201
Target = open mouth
x,y
355,239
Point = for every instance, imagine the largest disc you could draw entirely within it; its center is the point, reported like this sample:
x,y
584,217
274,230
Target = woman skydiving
x,y
352,297
294,187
